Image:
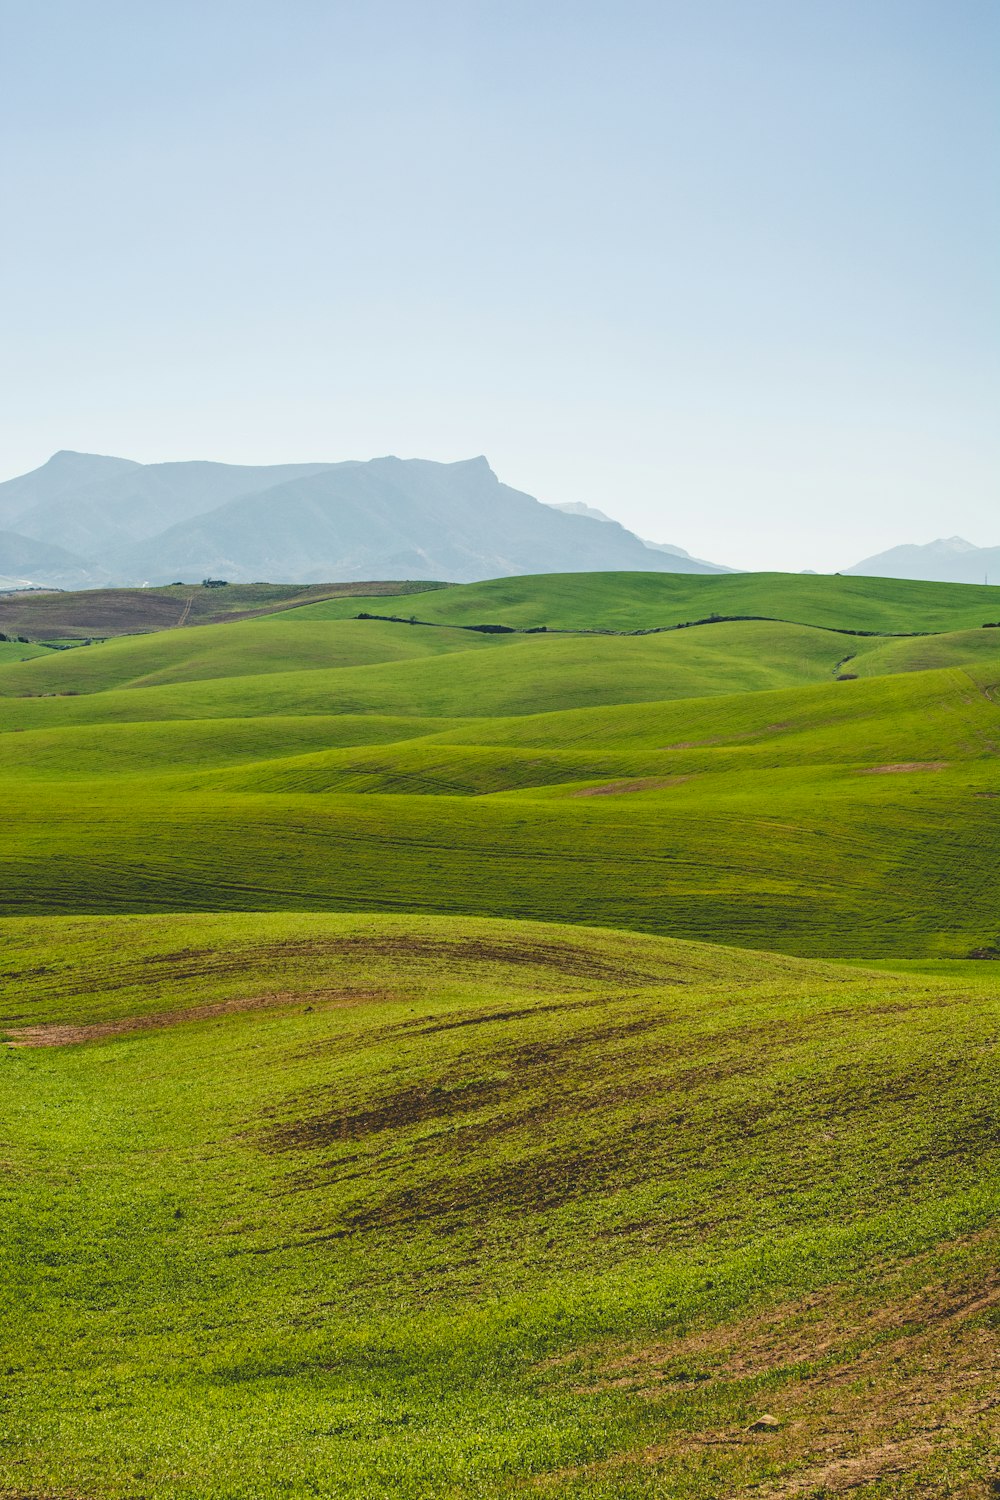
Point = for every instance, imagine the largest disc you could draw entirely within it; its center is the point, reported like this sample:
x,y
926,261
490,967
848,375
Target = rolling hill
x,y
348,1205
464,1063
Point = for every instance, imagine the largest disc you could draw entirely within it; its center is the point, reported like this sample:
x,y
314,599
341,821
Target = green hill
x,y
352,1206
637,601
463,1065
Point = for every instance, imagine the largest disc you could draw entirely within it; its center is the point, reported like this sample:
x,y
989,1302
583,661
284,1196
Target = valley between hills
x,y
542,1041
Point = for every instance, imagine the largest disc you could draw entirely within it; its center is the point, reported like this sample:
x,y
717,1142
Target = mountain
x,y
59,480
23,561
577,508
95,504
948,560
131,523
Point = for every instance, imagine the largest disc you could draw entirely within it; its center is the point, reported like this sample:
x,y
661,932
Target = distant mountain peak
x,y
387,517
64,457
954,544
947,560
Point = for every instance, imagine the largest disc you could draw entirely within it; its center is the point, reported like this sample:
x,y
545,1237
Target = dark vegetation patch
x,y
713,619
411,1106
562,958
626,1105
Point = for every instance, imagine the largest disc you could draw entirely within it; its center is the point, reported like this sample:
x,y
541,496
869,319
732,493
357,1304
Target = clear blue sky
x,y
725,268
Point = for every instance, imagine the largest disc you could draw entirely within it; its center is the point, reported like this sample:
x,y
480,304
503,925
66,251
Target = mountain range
x,y
948,560
86,520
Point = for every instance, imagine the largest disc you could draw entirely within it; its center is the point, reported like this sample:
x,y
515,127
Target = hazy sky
x,y
726,269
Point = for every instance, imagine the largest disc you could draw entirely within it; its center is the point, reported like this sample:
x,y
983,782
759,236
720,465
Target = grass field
x,y
359,1206
12,651
474,1065
644,601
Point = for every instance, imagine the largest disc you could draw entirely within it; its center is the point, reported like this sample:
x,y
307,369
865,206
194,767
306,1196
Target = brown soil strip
x,y
905,765
692,744
58,1034
618,788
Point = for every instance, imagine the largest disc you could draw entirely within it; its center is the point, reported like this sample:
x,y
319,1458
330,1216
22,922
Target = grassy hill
x,y
660,782
637,601
474,1065
480,1208
109,612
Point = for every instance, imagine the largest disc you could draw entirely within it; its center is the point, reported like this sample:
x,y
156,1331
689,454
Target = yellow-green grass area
x,y
239,649
283,666
643,601
17,651
847,819
521,676
359,1206
925,653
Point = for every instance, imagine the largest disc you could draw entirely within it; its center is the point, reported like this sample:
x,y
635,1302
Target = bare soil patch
x,y
58,1034
619,788
904,765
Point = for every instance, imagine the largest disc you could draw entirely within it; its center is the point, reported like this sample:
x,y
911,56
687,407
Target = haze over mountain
x,y
947,560
89,520
577,508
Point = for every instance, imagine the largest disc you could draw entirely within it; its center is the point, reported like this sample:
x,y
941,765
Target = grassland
x,y
645,601
829,819
472,1065
357,1206
11,651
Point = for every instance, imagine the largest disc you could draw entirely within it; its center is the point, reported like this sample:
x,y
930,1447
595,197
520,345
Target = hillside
x,y
22,558
132,523
410,1206
463,1064
716,782
43,615
649,601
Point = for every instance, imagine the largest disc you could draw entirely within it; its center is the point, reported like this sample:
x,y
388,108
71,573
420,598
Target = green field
x,y
470,1065
644,601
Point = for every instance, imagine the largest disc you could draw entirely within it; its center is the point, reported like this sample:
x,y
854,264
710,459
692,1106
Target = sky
x,y
725,269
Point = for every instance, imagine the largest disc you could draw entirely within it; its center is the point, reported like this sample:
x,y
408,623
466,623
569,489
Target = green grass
x,y
241,649
18,651
401,1217
469,1066
765,818
634,601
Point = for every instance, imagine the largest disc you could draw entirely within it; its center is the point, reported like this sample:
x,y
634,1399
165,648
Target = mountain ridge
x,y
125,523
945,560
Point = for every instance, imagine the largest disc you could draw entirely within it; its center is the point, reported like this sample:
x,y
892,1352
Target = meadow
x,y
447,1063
